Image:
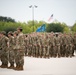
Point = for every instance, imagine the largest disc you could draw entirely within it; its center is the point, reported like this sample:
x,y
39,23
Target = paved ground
x,y
41,66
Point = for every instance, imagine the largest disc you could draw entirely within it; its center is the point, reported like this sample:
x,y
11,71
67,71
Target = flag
x,y
51,17
41,28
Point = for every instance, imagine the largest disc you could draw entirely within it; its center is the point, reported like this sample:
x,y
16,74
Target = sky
x,y
62,10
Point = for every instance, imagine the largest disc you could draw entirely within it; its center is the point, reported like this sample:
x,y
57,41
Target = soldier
x,y
11,50
57,45
15,34
4,52
40,47
26,44
65,45
0,45
19,57
30,46
51,45
74,41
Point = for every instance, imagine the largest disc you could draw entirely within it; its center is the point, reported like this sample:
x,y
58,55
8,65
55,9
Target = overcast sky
x,y
62,10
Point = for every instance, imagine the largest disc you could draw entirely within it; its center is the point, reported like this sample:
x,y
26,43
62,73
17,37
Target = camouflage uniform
x,y
4,52
74,42
43,46
65,45
11,50
26,45
0,45
30,47
71,46
47,46
37,46
19,59
57,45
40,48
61,45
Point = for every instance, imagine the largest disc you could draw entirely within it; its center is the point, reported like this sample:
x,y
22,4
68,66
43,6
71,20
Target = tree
x,y
55,27
6,19
66,29
74,28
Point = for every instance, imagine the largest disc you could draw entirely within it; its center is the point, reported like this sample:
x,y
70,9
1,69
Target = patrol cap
x,y
3,32
15,32
20,28
10,32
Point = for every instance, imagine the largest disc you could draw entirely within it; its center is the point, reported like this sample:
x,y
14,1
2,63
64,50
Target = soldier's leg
x,y
70,51
73,51
67,51
32,51
36,51
59,53
29,51
4,59
52,51
25,51
19,61
11,59
47,52
55,51
44,52
62,50
39,51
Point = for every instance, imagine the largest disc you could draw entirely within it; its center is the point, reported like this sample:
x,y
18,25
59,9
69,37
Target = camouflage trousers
x,y
4,57
58,50
70,50
63,50
19,57
40,51
29,50
26,50
11,56
74,46
51,51
0,54
37,51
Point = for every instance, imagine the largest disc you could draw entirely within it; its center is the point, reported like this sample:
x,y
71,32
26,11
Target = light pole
x,y
33,13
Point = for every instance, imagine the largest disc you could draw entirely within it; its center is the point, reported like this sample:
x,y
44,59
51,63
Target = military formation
x,y
16,45
46,45
12,49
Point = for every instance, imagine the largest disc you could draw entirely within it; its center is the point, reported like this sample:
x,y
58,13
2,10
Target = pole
x,y
33,17
33,14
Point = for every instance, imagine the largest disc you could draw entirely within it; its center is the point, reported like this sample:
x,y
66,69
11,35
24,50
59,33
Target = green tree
x,y
66,29
55,27
74,28
6,19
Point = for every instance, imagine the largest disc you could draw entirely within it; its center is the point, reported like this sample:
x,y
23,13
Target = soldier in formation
x,y
4,50
48,45
12,49
19,56
43,45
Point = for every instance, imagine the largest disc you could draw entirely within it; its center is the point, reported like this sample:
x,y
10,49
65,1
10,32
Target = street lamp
x,y
33,13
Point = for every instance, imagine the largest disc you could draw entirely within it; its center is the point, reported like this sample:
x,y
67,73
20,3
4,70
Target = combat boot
x,y
16,68
21,68
4,66
11,66
40,56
